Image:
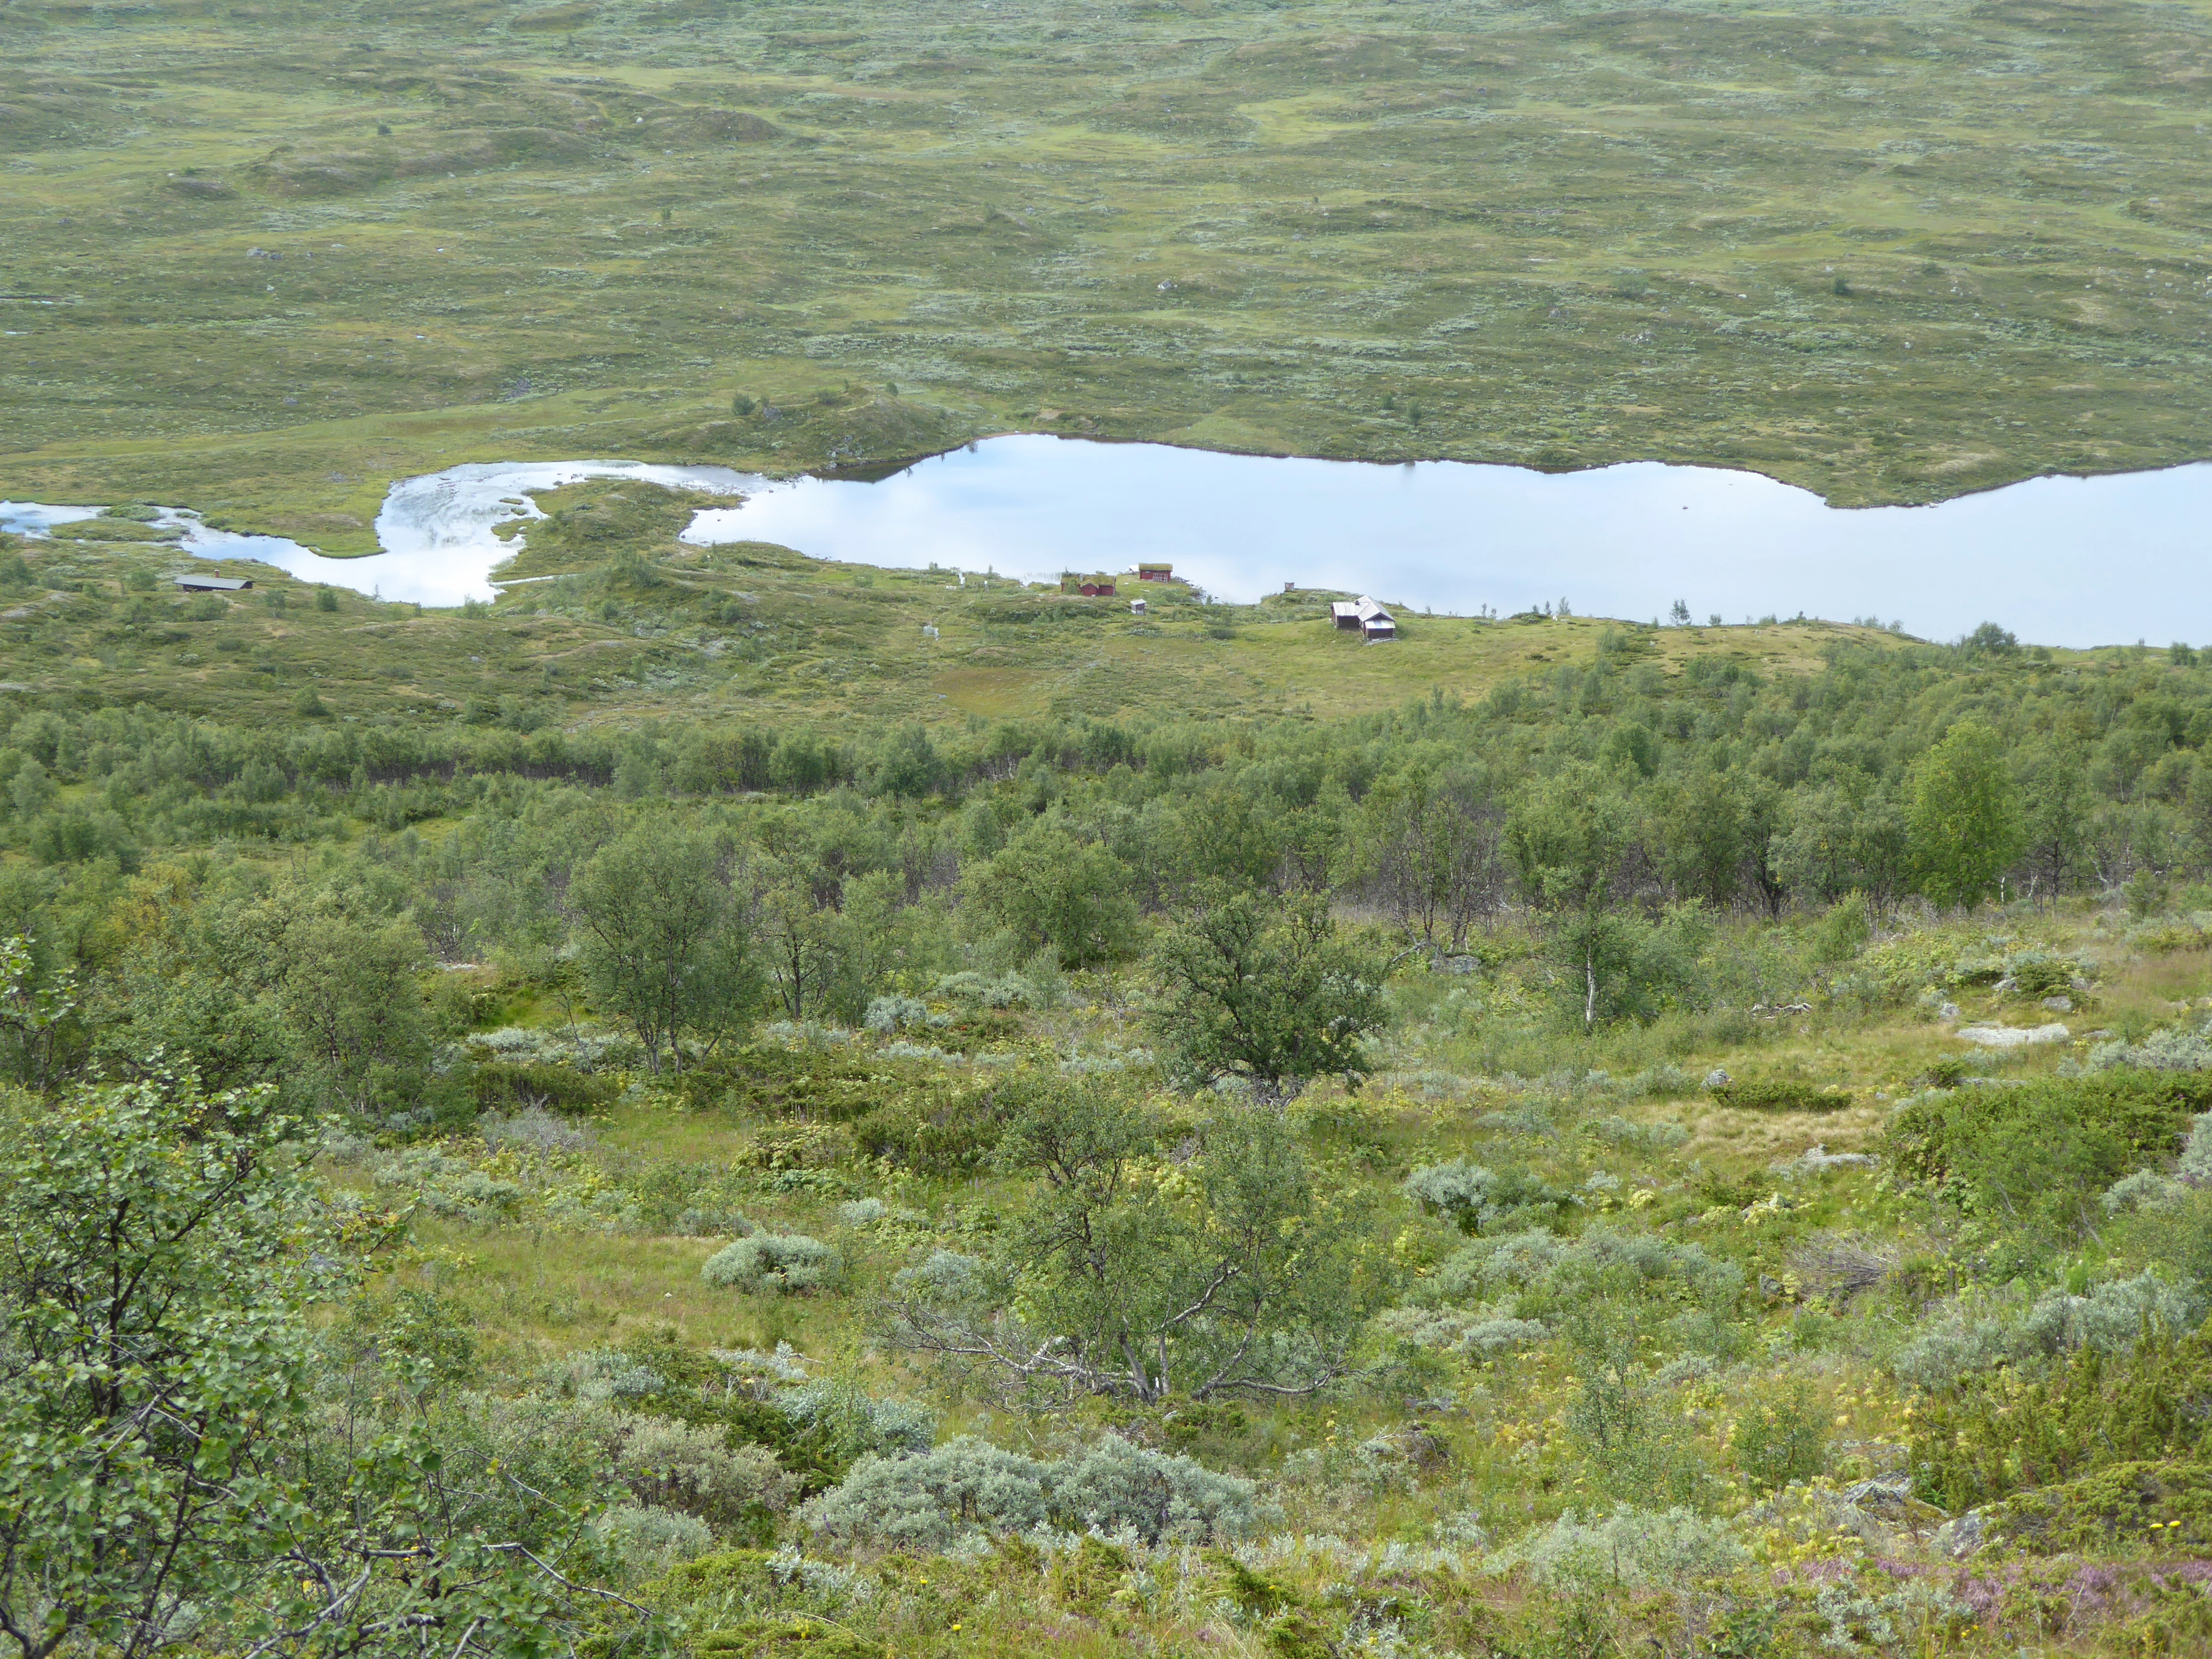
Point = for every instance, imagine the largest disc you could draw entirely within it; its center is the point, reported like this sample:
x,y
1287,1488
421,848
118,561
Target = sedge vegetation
x,y
266,256
704,1144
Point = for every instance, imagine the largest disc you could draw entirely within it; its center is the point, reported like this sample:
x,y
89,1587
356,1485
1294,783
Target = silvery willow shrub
x,y
600,1375
981,990
2196,1151
1479,1199
648,1542
546,1443
2146,1189
773,1263
2168,1050
1476,1331
1630,1548
1116,1487
891,1013
2109,1319
532,1129
1858,1620
1542,1263
926,1502
869,1424
1618,1131
950,1278
967,1487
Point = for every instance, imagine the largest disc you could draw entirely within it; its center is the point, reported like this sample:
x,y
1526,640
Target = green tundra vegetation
x,y
266,255
728,1104
674,1113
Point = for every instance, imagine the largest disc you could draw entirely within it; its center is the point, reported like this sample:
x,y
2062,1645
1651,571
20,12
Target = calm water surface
x,y
2063,561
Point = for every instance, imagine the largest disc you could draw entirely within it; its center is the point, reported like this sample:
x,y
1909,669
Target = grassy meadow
x,y
265,257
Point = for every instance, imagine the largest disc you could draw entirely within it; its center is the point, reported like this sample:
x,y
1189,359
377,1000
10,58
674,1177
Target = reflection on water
x,y
437,531
37,518
2061,561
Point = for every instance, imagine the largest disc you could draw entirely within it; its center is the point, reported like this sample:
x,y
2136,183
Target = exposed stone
x,y
2012,1036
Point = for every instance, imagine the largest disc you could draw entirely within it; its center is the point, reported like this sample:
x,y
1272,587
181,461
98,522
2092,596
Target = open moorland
x,y
263,257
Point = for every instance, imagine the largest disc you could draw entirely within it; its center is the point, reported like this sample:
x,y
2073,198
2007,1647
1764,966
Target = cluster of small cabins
x,y
1364,615
1102,587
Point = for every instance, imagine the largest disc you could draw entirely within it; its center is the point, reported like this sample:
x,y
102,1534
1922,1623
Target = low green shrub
x,y
785,1636
1995,1432
799,1146
955,1132
2036,1153
504,1085
950,1135
1782,1439
2167,1502
2041,974
1630,1548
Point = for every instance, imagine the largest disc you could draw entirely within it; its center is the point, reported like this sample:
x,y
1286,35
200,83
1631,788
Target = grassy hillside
x,y
1174,1135
267,257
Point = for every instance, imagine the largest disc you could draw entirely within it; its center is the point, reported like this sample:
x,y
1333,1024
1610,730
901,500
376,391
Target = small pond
x,y
2062,561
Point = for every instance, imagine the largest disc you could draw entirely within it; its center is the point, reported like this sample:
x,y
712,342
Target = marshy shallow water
x,y
2064,560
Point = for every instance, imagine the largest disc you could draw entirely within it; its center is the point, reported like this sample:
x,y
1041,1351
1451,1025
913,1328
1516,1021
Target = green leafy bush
x,y
2169,1503
1994,1433
943,1134
2036,1153
2042,973
787,1264
1782,1439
